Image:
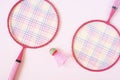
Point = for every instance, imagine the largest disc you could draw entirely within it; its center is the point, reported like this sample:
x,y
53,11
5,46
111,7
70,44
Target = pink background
x,y
38,64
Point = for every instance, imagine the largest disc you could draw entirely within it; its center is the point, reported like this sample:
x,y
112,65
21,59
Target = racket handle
x,y
16,65
114,8
116,4
14,70
59,57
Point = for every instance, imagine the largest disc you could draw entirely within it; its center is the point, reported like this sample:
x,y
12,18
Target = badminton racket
x,y
96,43
32,24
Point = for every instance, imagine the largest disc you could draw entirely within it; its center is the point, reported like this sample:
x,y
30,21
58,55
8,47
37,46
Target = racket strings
x,y
33,24
96,58
102,36
94,48
34,18
100,43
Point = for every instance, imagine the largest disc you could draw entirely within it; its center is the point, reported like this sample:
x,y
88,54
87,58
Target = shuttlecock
x,y
59,57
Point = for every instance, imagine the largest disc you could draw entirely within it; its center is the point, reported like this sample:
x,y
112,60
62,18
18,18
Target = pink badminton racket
x,y
96,44
32,24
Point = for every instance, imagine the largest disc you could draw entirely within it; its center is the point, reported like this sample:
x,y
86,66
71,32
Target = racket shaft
x,y
14,71
114,8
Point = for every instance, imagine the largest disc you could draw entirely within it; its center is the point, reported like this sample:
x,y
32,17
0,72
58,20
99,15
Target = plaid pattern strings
x,y
33,23
96,46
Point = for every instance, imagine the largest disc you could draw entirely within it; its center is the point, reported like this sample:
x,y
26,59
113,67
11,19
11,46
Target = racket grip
x,y
116,4
14,70
59,57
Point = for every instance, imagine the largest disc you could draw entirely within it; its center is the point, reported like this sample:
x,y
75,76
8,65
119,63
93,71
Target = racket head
x,y
45,28
95,45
